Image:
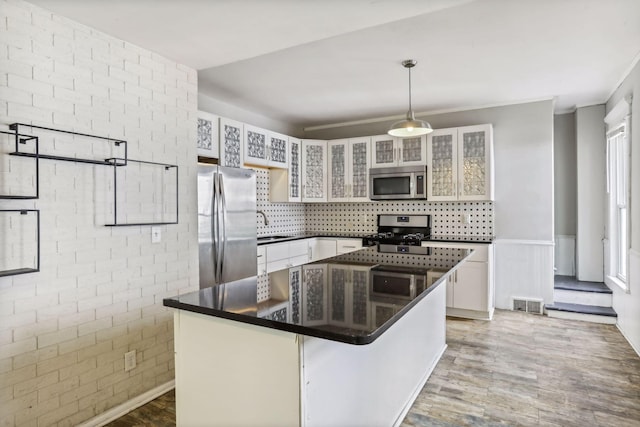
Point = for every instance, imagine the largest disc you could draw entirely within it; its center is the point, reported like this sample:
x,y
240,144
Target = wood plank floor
x,y
517,370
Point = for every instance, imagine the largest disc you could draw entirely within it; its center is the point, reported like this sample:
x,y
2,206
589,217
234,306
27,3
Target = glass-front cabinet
x,y
314,169
460,163
231,143
255,146
265,148
348,169
389,151
285,183
207,138
277,144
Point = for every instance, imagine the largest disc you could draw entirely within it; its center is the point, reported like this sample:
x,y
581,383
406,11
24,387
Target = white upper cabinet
x,y
314,170
475,162
460,163
348,169
284,184
231,143
208,142
255,146
442,170
265,148
389,151
278,154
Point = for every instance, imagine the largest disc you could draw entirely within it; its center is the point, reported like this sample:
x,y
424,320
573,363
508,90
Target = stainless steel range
x,y
401,234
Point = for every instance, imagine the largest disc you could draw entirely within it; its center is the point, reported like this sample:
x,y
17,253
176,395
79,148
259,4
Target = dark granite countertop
x,y
331,299
285,238
461,239
434,238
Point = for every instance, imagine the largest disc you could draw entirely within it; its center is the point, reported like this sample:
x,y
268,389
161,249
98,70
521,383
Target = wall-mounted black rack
x,y
117,142
115,162
23,139
24,270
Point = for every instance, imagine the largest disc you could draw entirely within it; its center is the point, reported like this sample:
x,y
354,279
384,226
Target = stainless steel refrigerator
x,y
226,224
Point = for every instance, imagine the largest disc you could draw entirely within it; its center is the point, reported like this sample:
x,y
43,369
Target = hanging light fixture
x,y
410,126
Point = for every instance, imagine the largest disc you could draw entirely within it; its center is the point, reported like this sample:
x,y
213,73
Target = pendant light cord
x,y
410,106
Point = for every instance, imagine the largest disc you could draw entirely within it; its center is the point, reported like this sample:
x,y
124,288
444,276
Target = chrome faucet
x,y
266,222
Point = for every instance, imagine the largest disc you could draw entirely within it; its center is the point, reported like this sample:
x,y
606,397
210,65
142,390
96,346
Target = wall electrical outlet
x,y
129,360
156,234
465,218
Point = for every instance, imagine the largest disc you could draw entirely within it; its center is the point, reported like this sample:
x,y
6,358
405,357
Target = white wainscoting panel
x,y
565,255
523,268
627,304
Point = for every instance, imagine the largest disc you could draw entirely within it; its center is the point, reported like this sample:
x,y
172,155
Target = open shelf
x,y
17,271
118,168
106,162
19,238
116,142
7,168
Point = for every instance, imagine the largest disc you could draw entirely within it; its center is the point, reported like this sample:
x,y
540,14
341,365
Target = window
x,y
618,196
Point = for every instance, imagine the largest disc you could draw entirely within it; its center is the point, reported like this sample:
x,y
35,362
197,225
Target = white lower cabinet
x,y
278,256
344,246
470,289
262,260
286,254
321,248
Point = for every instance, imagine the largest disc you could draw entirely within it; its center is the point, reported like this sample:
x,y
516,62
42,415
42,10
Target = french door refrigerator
x,y
226,224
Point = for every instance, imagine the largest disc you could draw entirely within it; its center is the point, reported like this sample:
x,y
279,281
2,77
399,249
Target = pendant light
x,y
410,126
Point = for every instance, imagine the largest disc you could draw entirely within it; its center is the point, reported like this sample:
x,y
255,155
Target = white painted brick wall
x,y
64,330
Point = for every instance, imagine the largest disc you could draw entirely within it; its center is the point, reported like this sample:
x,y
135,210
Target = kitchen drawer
x,y
278,265
299,260
348,245
298,248
481,253
277,251
262,255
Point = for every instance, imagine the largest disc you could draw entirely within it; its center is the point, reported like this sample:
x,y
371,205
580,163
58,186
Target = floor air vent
x,y
527,304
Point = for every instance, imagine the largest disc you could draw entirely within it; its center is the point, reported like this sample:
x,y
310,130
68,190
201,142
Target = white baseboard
x,y
628,340
128,406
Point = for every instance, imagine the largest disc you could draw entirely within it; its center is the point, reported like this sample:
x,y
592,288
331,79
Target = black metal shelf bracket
x,y
23,139
116,162
117,142
25,270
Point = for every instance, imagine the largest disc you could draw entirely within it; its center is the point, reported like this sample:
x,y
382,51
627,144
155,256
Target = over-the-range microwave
x,y
397,183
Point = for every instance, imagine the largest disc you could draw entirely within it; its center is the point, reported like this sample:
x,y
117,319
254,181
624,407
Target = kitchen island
x,y
348,340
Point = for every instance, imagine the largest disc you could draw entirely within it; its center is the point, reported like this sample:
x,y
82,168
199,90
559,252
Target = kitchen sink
x,y
270,238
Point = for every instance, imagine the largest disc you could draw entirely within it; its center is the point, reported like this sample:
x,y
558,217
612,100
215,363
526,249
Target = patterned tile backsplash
x,y
360,218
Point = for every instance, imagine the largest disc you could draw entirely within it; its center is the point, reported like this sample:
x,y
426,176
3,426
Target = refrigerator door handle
x,y
223,216
214,227
220,237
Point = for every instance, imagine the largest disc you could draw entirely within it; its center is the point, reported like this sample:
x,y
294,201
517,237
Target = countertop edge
x,y
303,330
444,239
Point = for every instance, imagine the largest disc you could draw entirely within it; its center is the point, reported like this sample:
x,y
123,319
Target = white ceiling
x,y
316,62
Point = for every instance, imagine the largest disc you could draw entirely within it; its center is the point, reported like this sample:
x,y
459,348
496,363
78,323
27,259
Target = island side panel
x,y
374,384
234,374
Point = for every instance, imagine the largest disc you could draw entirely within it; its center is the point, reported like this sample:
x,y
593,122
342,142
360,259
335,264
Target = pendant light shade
x,y
410,126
